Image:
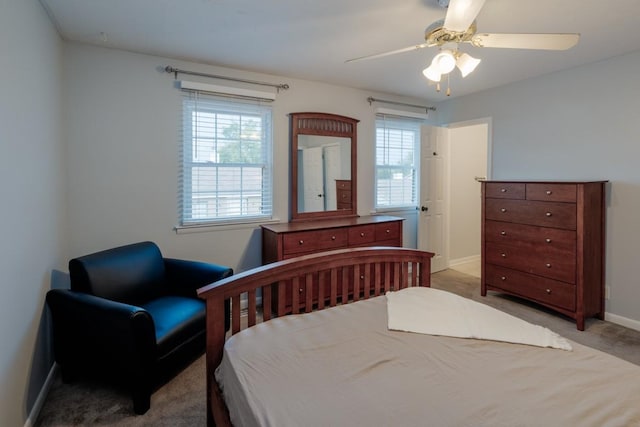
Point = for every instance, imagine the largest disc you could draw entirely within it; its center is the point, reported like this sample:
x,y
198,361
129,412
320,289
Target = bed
x,y
328,354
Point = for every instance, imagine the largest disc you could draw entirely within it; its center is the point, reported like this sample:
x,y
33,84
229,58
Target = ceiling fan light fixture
x,y
466,64
432,73
444,61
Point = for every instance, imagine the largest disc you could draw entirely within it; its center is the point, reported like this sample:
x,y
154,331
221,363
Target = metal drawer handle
x,y
547,240
503,255
548,214
503,278
503,233
388,231
361,234
300,290
503,190
301,242
333,237
549,192
548,265
549,291
503,210
361,277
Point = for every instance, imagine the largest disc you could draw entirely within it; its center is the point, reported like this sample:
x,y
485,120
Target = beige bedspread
x,y
342,367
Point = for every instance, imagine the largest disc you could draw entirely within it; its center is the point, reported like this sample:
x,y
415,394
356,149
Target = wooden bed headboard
x,y
304,284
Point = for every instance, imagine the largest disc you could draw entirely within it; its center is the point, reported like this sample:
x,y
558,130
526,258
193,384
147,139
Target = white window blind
x,y
226,169
397,160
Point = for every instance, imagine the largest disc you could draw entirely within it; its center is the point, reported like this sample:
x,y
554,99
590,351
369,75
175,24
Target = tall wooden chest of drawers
x,y
544,241
287,240
343,194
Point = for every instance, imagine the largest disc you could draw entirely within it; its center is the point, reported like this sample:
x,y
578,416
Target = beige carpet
x,y
181,402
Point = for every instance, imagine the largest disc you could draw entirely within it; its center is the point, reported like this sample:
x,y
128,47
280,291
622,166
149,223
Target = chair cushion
x,y
176,319
131,274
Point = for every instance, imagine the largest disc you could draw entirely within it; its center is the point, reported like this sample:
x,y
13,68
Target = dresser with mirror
x,y
323,194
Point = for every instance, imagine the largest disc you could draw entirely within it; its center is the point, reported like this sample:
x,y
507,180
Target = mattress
x,y
343,367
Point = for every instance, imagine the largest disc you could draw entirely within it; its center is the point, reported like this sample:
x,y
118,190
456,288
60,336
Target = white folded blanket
x,y
436,312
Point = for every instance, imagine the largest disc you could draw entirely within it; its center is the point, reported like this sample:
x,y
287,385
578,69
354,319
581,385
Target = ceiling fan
x,y
459,26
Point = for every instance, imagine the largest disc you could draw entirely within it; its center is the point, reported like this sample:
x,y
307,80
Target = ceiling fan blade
x,y
392,52
461,14
526,41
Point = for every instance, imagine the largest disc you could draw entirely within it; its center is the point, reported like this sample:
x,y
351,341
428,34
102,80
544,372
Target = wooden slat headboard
x,y
303,284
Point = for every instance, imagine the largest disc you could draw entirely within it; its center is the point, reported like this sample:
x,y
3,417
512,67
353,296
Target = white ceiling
x,y
312,39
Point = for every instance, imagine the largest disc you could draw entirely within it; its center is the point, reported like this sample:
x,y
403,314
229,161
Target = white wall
x,y
468,160
123,115
580,124
33,199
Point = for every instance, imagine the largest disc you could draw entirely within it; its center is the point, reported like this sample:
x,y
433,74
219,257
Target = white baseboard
x,y
42,396
465,260
623,321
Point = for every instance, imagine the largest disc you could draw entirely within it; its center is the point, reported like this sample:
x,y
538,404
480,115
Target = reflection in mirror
x,y
324,170
323,166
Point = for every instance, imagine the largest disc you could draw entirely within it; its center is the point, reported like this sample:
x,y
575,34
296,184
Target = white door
x,y
313,177
332,172
432,219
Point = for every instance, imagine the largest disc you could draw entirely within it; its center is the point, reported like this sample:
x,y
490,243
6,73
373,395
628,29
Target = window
x,y
397,160
225,174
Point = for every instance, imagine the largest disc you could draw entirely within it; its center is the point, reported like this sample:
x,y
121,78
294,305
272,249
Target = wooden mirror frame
x,y
322,124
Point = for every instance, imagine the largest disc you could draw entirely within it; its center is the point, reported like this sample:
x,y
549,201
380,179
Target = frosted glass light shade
x,y
466,64
444,61
432,73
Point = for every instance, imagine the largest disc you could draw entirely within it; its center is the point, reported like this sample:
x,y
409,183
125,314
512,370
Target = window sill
x,y
407,209
207,228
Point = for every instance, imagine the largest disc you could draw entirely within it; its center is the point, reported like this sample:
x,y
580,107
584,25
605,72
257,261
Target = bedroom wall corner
x,y
114,201
568,125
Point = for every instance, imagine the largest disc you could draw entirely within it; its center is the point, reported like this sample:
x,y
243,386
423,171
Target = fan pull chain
x,y
448,88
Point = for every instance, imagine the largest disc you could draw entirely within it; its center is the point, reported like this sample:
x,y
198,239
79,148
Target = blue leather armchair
x,y
131,315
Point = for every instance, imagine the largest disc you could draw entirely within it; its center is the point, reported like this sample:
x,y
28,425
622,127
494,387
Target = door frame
x,y
446,177
481,121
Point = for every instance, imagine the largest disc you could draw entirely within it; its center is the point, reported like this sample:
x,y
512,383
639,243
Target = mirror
x,y
323,166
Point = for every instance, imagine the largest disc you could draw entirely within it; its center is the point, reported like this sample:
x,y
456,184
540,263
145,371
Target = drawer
x,y
545,214
362,234
505,190
532,259
388,231
344,196
392,242
538,289
556,241
343,184
552,192
312,241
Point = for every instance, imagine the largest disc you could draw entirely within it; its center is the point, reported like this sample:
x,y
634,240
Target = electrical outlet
x,y
607,292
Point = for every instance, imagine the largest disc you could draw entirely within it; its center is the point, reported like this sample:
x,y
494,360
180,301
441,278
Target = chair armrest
x,y
90,330
184,277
